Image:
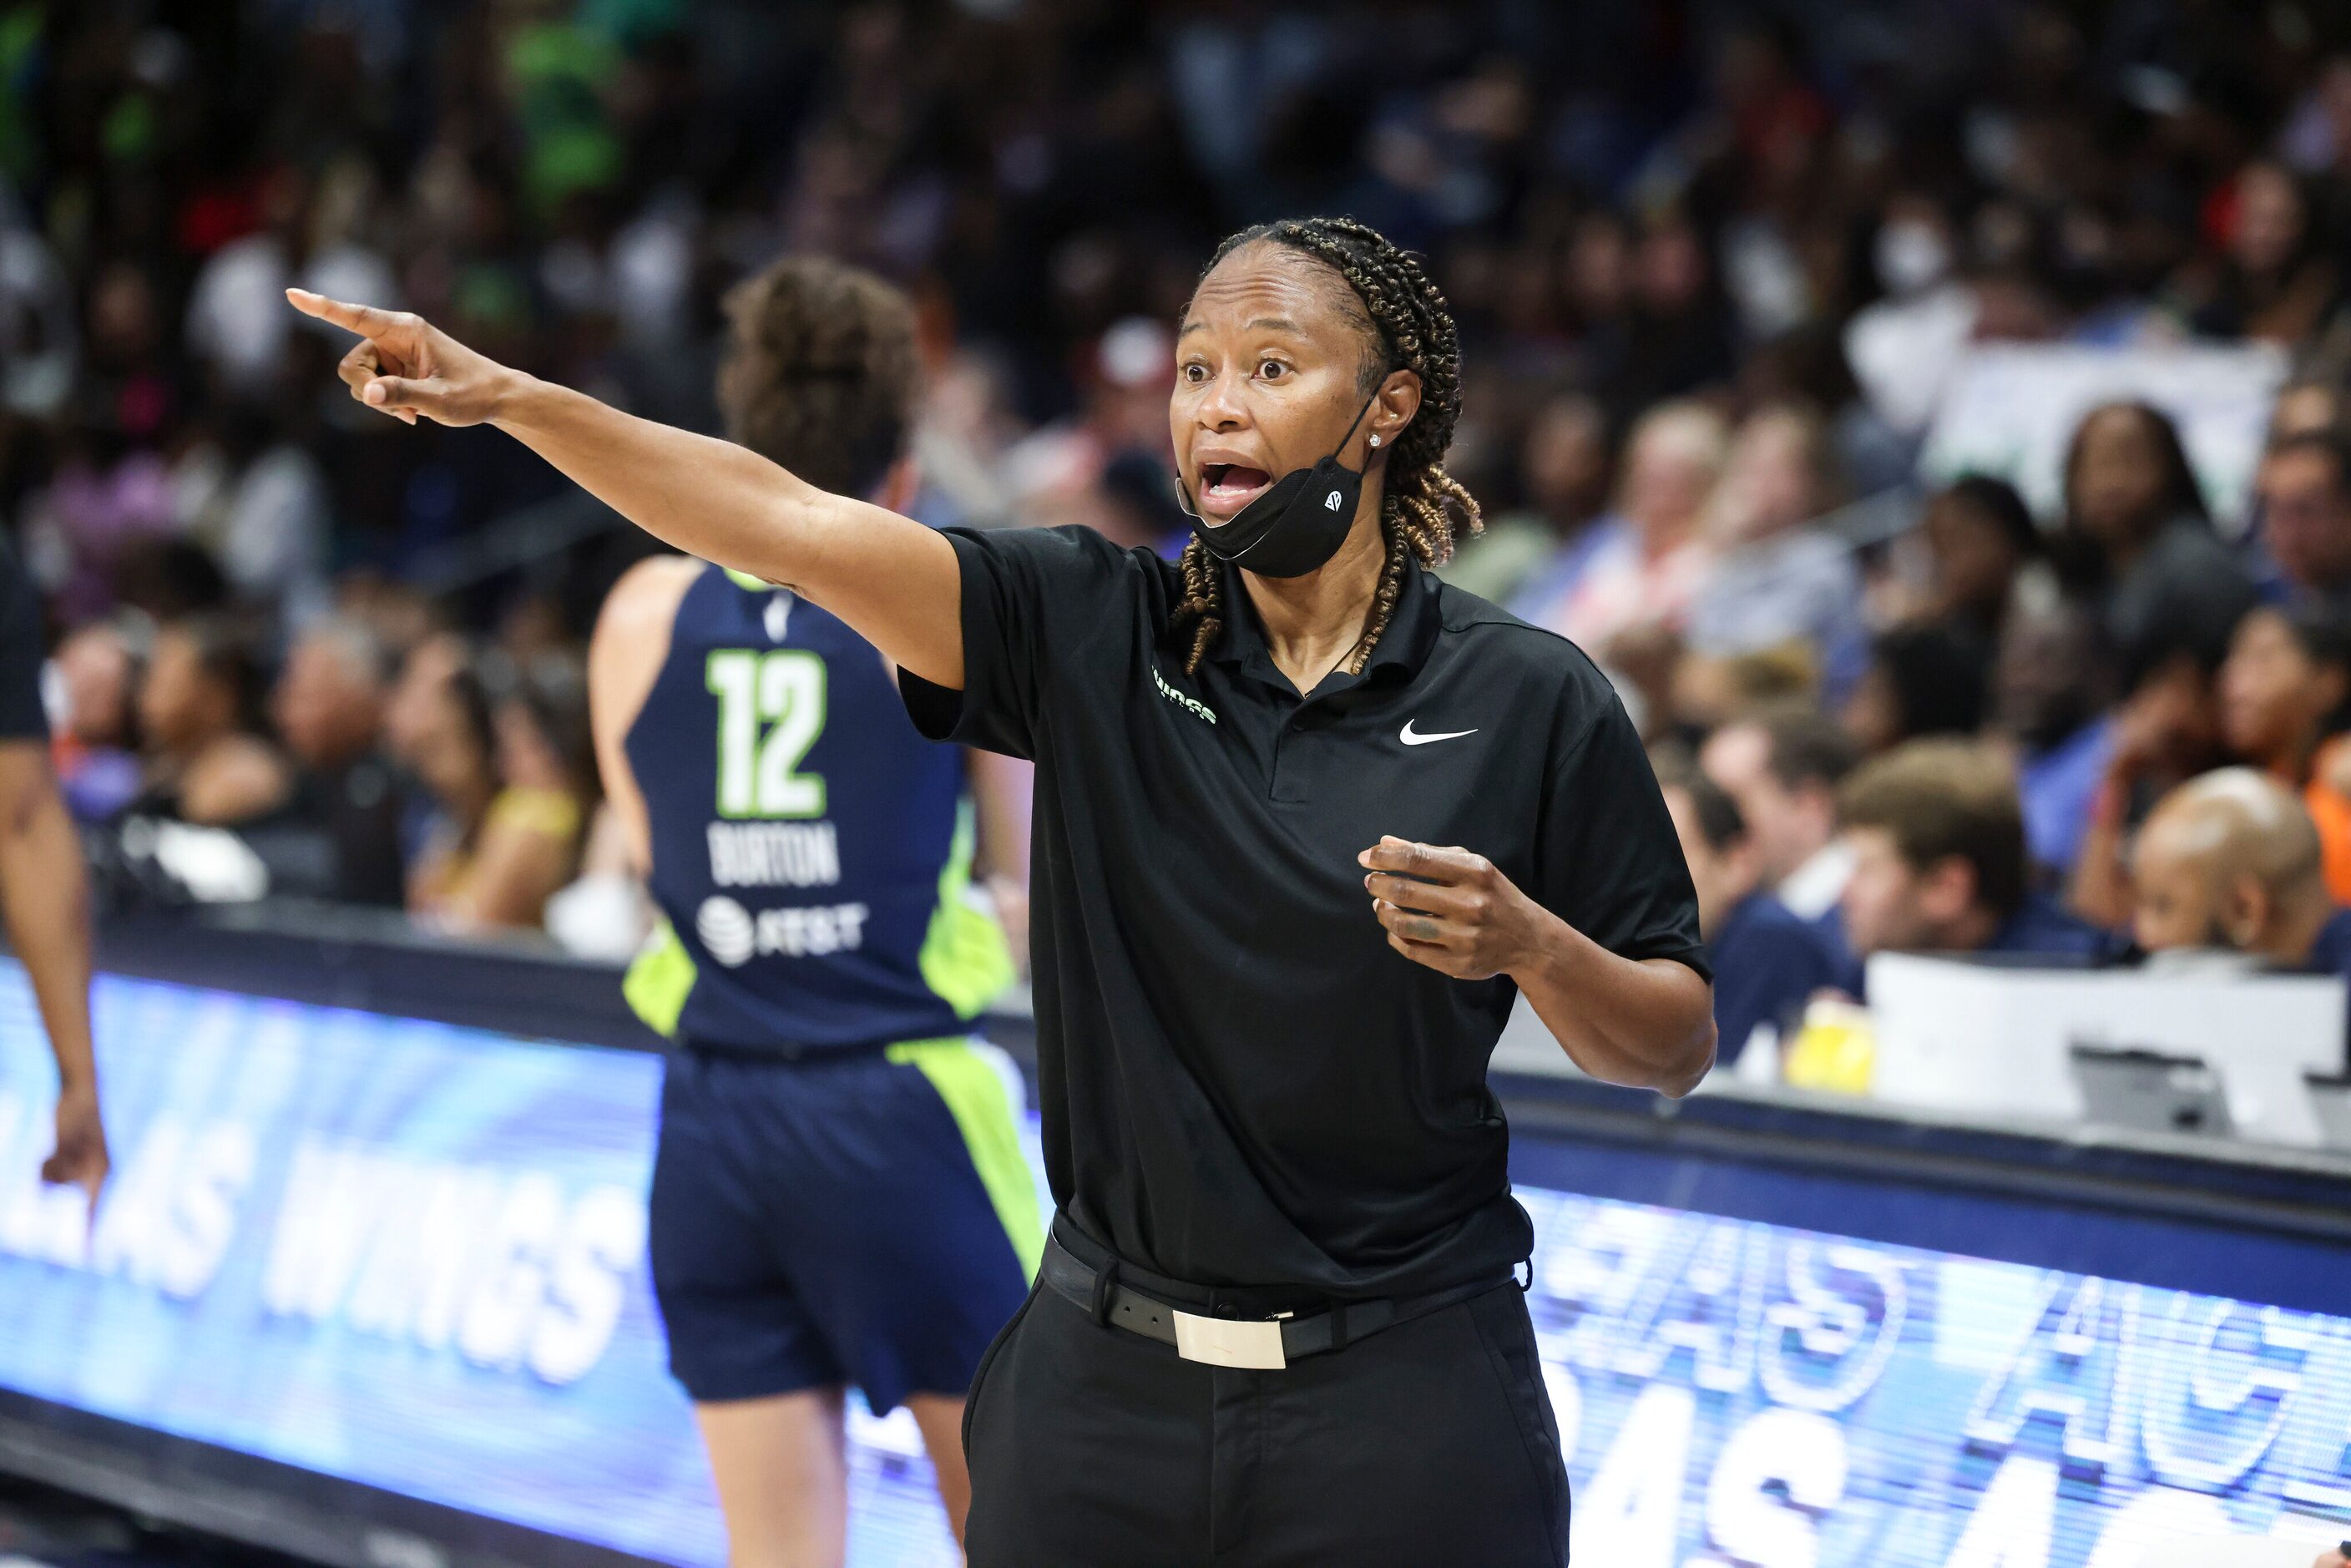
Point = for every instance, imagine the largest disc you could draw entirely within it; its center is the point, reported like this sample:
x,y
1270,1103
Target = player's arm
x,y
625,655
892,580
45,896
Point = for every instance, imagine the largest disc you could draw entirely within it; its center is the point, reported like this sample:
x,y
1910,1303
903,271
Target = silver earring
x,y
1376,441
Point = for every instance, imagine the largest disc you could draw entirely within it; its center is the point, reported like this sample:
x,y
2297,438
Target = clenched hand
x,y
1450,909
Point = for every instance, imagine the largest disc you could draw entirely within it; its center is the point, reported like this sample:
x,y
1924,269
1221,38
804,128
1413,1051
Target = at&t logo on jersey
x,y
734,936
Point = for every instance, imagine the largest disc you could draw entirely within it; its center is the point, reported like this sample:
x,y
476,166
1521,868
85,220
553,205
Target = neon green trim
x,y
744,580
965,959
975,1096
660,979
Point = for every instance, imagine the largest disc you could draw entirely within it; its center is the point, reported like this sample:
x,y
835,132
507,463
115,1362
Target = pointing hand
x,y
403,366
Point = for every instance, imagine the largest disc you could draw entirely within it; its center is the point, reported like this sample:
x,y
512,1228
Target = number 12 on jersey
x,y
770,711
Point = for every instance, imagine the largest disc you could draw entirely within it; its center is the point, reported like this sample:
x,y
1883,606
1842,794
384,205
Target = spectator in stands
x,y
1709,692
328,706
2051,688
200,710
414,715
2231,860
257,497
2283,697
2139,539
95,746
2309,405
412,708
1903,346
1938,840
2303,489
2276,281
1767,961
1643,567
1988,558
1923,679
2165,731
1774,580
1783,770
504,773
1563,468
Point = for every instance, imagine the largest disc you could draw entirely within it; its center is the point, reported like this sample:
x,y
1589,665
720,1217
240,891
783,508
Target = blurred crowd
x,y
1714,267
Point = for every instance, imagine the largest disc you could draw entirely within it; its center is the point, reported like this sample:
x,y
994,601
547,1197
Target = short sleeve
x,y
1030,596
1607,855
22,717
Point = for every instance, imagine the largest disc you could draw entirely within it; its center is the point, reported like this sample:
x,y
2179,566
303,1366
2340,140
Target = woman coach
x,y
1273,1322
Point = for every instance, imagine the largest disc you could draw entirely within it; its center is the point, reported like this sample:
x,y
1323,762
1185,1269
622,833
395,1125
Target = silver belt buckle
x,y
1229,1342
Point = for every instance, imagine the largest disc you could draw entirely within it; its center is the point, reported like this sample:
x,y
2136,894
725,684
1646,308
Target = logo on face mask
x,y
1330,502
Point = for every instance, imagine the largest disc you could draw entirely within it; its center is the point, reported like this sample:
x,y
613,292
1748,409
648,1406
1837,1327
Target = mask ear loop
x,y
1184,496
1355,421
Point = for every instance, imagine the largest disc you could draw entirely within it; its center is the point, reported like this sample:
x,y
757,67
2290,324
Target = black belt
x,y
1265,1342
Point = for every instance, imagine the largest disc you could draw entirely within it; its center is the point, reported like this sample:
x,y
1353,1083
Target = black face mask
x,y
1296,525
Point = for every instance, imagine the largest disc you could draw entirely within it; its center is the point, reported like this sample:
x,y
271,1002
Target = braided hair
x,y
1405,326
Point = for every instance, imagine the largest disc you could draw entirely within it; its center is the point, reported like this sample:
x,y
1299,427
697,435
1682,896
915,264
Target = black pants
x,y
1431,1443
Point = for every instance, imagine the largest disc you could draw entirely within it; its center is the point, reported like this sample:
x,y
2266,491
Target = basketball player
x,y
839,1194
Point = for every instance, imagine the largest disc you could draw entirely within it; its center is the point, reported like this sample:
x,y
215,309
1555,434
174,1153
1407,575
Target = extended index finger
x,y
1430,862
367,320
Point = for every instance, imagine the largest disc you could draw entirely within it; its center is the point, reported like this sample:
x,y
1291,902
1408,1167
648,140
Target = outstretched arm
x,y
891,579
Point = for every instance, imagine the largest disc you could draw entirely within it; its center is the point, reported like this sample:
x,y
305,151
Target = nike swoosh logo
x,y
1409,738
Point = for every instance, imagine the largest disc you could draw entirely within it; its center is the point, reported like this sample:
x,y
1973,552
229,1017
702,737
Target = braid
x,y
1203,601
1424,509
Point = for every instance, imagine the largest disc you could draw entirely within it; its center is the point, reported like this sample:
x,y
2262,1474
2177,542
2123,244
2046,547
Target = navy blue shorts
x,y
866,1218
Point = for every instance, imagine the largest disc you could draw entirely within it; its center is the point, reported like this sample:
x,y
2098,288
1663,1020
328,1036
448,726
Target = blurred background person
x,y
2050,691
2230,863
1564,467
95,748
2276,279
2312,403
2283,696
1987,561
1768,963
504,767
1782,769
1641,567
1774,580
2139,539
328,706
1920,680
2166,730
2304,495
208,760
1939,860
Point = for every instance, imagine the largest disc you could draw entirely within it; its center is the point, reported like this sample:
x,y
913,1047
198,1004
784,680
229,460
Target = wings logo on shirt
x,y
1189,703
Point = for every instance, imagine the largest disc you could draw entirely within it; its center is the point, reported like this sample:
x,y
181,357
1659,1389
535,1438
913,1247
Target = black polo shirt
x,y
1241,1082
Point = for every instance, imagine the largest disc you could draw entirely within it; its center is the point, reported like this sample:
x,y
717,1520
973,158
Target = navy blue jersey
x,y
811,853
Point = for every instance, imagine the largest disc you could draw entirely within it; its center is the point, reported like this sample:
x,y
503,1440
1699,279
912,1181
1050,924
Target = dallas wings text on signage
x,y
413,1255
